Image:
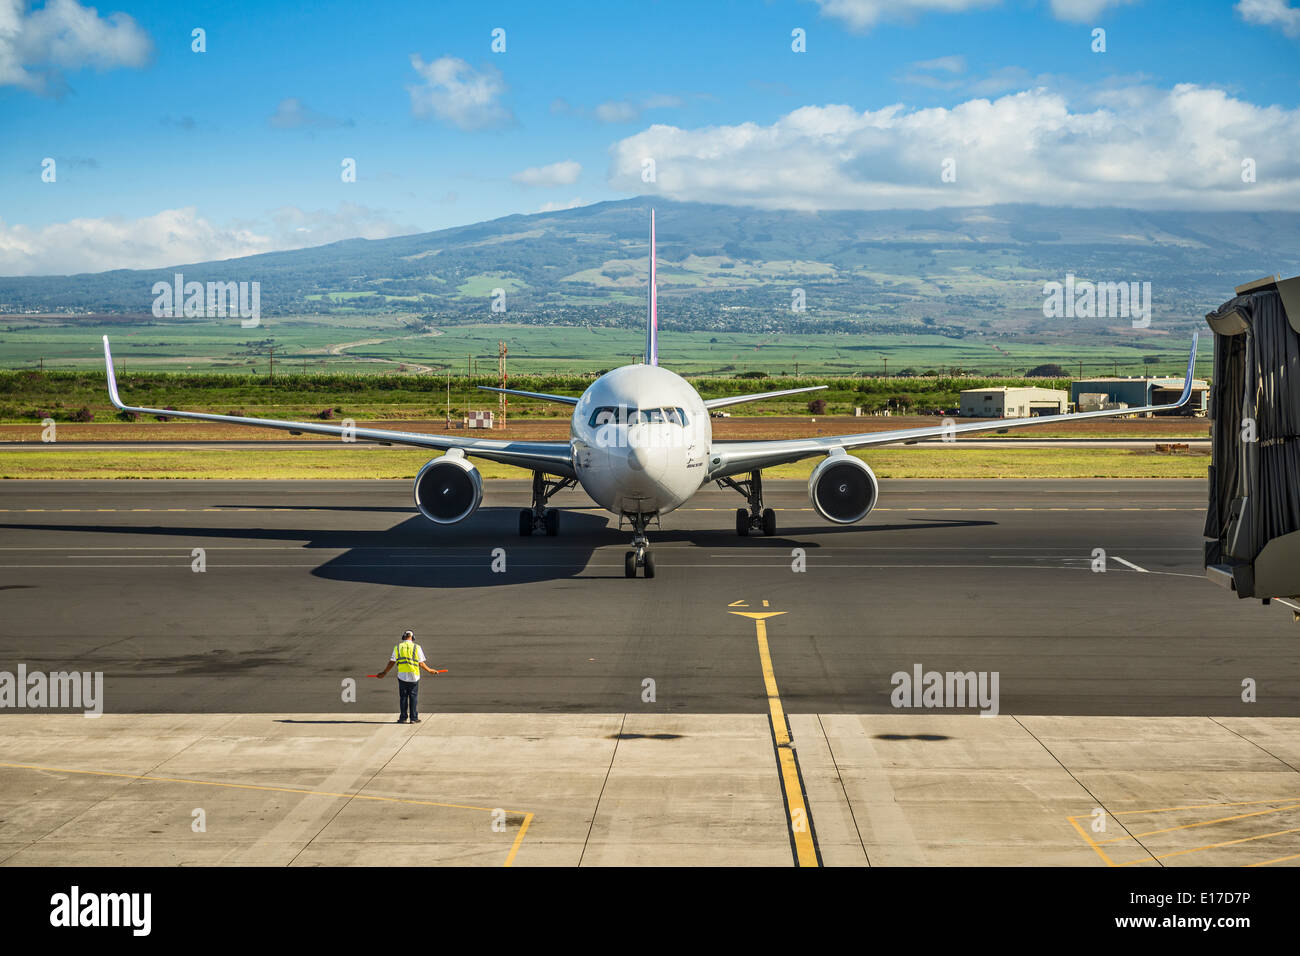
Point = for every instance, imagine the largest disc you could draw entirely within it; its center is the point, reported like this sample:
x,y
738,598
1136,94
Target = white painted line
x,y
1129,564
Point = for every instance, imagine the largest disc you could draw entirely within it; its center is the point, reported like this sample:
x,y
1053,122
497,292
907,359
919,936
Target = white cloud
x,y
293,228
178,236
616,111
37,45
948,64
456,93
1134,146
556,174
619,111
559,206
1269,13
293,113
861,15
941,73
1083,11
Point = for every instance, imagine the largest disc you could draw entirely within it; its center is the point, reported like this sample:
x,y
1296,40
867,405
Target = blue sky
x,y
162,152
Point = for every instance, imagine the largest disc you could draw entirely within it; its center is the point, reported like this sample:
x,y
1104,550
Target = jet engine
x,y
843,489
448,489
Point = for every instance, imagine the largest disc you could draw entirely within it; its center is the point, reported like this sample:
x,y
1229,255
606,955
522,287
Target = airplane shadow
x,y
415,553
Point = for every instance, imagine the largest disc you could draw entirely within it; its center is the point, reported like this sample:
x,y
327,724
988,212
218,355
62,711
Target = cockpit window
x,y
610,414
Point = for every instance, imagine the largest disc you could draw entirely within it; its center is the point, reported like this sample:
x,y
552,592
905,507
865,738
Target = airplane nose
x,y
645,458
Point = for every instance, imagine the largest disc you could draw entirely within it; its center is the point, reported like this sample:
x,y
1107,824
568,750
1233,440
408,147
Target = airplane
x,y
641,445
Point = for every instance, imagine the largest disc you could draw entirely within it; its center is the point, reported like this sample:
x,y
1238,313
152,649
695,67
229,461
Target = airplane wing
x,y
713,403
552,457
562,399
731,458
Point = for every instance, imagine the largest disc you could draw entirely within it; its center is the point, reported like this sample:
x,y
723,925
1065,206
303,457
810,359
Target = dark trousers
x,y
408,693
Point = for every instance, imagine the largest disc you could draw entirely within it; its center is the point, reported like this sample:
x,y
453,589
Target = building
x,y
1091,393
1013,402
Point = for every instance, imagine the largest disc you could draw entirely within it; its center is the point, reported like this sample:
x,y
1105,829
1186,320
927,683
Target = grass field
x,y
379,462
307,343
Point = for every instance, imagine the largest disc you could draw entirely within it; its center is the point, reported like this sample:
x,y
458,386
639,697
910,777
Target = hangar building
x,y
1091,393
1013,402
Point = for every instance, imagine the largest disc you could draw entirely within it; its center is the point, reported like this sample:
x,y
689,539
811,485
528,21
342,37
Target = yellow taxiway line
x,y
798,817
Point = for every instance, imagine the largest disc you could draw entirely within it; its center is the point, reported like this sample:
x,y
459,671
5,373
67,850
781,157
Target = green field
x,y
304,344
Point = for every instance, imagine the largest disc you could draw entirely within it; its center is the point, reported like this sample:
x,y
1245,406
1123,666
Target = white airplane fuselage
x,y
641,437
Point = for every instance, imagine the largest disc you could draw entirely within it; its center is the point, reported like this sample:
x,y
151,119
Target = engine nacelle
x,y
843,489
448,489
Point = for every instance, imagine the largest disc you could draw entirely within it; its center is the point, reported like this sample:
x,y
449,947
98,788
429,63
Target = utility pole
x,y
448,425
501,373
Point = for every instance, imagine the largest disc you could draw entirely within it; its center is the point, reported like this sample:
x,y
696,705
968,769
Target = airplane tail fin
x,y
652,305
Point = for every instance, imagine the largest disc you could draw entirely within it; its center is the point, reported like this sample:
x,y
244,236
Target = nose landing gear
x,y
640,556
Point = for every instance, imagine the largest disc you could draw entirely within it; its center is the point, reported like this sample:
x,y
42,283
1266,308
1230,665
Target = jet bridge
x,y
1253,515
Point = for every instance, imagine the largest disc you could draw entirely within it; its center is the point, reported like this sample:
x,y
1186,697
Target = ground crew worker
x,y
409,658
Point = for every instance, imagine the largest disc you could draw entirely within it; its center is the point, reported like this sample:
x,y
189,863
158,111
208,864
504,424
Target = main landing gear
x,y
755,517
640,556
539,517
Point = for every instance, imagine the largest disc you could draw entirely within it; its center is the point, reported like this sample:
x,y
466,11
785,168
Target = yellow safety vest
x,y
406,658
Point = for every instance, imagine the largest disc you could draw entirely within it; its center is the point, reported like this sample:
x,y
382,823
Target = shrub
x,y
817,406
83,414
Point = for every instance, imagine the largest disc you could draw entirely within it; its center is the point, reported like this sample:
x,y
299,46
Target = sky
x,y
122,146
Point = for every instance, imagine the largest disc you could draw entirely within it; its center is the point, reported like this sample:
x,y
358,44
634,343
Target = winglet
x,y
112,376
652,305
1191,370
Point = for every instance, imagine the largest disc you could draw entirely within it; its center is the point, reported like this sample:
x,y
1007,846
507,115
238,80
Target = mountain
x,y
728,267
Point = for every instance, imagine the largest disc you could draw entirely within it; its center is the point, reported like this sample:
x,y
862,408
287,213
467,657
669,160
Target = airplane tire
x,y
525,523
649,564
552,523
629,565
769,522
742,522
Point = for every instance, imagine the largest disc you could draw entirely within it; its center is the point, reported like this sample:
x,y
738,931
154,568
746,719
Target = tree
x,y
1050,370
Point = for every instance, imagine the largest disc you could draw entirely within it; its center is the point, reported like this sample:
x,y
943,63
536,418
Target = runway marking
x,y
1130,564
523,827
803,837
1098,844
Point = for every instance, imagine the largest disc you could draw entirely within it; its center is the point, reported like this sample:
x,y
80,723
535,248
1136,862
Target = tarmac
x,y
734,709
